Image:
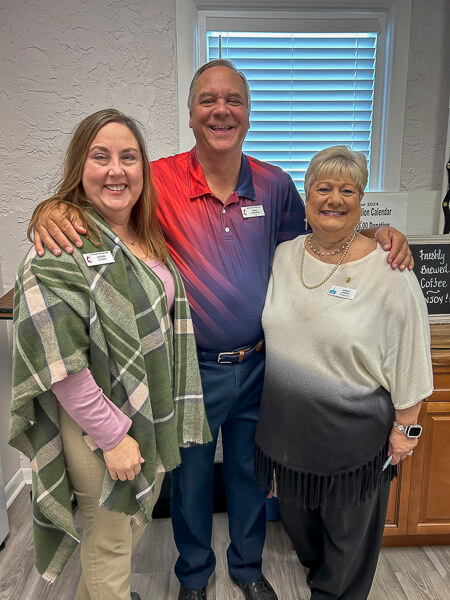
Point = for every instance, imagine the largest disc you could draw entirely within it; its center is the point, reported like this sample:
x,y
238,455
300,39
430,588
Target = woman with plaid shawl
x,y
106,386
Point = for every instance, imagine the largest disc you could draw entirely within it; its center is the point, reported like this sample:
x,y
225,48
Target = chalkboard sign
x,y
432,269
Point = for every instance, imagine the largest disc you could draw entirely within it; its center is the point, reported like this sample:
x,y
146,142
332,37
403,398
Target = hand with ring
x,y
400,445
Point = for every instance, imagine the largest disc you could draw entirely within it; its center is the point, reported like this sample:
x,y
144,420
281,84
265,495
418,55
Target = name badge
x,y
253,211
98,258
342,292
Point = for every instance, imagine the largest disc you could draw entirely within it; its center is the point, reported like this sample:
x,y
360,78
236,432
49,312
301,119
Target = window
x,y
309,91
269,45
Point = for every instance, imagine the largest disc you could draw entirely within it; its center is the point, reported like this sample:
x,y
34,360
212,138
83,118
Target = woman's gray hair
x,y
337,161
218,62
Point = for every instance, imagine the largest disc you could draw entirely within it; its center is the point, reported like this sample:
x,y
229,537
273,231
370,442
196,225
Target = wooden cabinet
x,y
397,514
419,504
429,506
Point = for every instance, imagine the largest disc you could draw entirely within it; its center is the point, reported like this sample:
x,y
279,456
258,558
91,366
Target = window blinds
x,y
309,91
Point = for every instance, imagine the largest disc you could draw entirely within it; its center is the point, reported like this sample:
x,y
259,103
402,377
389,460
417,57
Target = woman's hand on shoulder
x,y
124,460
400,445
55,230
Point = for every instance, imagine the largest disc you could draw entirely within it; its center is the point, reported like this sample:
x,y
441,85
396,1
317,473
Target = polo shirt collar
x,y
198,185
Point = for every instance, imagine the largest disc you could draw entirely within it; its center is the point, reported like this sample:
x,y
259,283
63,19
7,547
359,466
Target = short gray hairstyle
x,y
338,160
218,62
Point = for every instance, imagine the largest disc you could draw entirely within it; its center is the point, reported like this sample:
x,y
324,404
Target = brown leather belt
x,y
233,356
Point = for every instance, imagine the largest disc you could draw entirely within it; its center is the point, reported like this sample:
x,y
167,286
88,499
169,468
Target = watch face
x,y
414,431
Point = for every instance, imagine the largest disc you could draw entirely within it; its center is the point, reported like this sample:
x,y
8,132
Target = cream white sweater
x,y
381,338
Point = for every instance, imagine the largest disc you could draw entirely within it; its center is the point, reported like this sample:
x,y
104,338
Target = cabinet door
x,y
397,512
429,502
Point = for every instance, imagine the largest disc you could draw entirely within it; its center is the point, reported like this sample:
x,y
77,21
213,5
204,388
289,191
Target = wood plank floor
x,y
414,573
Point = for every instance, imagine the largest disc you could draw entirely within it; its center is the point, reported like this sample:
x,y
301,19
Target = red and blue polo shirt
x,y
224,258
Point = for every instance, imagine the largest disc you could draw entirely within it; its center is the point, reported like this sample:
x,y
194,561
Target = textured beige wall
x,y
62,60
427,96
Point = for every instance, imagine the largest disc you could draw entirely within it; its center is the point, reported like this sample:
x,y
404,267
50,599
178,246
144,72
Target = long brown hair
x,y
70,191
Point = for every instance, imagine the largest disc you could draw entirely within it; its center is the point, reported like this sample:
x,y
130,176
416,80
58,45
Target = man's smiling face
x,y
219,115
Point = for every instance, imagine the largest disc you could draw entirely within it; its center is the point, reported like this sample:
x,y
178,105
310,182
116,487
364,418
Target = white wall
x,y
427,96
426,113
63,59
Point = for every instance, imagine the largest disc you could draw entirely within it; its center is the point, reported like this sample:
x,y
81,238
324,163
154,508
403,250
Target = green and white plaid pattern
x,y
112,318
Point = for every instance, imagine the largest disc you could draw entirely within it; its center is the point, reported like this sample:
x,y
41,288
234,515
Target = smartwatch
x,y
411,431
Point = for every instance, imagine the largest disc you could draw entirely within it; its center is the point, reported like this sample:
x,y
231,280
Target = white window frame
x,y
394,17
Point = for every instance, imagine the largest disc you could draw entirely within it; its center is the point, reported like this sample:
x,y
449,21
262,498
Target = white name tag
x,y
253,211
98,258
342,292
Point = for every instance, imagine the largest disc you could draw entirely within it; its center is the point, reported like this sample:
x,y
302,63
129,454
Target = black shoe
x,y
192,594
257,590
134,596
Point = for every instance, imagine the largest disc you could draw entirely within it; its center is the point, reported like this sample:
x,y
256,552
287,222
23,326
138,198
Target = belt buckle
x,y
225,362
239,353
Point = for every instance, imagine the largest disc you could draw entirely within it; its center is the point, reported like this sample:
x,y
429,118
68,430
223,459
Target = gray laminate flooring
x,y
414,573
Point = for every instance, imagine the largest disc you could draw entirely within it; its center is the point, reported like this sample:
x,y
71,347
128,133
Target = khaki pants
x,y
109,538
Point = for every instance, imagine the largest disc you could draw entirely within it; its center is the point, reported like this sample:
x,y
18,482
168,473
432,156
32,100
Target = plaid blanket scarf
x,y
112,318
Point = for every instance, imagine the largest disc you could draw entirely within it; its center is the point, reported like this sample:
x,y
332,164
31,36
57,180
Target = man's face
x,y
219,115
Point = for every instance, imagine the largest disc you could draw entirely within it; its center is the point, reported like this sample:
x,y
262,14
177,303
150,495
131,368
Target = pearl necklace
x,y
332,253
334,269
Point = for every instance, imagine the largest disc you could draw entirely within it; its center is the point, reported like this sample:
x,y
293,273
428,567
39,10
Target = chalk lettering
x,y
424,270
432,283
433,255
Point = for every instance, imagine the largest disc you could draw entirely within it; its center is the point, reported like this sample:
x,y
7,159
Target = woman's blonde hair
x,y
70,191
337,161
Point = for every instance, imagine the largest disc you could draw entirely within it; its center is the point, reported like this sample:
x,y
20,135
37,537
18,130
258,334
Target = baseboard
x,y
27,477
15,486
